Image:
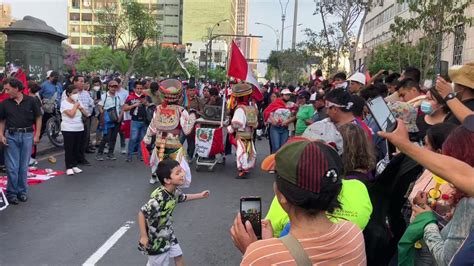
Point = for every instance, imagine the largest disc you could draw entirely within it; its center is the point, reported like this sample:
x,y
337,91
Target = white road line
x,y
94,258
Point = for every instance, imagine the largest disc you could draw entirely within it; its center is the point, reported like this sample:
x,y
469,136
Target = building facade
x,y
170,20
456,49
196,53
5,15
83,22
202,16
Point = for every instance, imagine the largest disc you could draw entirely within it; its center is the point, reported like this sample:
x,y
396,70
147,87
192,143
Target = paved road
x,y
67,219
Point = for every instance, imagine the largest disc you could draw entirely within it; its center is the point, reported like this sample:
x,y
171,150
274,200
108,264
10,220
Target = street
x,y
70,220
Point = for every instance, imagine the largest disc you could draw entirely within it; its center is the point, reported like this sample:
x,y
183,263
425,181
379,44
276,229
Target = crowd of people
x,y
353,194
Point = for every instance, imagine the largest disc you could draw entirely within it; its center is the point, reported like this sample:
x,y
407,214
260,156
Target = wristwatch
x,y
450,96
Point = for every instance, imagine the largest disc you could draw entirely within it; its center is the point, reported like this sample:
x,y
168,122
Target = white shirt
x,y
70,124
123,94
108,101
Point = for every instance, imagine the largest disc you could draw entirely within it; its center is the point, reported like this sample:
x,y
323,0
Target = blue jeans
x,y
17,157
278,136
137,132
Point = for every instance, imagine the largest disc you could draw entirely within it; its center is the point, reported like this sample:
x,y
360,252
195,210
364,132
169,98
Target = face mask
x,y
75,97
96,88
426,108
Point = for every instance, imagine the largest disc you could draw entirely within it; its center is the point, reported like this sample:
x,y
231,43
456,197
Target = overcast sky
x,y
265,11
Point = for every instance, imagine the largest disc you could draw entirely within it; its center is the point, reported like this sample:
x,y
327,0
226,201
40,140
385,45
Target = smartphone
x,y
251,210
443,70
382,114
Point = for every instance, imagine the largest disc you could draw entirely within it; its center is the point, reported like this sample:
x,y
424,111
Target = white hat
x,y
326,131
48,73
357,77
313,97
286,91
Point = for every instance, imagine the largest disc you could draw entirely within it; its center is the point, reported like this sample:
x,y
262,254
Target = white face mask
x,y
75,97
96,88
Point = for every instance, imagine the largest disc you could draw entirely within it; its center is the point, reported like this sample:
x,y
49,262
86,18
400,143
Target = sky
x,y
54,13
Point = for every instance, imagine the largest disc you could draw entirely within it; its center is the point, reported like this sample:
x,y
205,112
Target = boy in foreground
x,y
155,220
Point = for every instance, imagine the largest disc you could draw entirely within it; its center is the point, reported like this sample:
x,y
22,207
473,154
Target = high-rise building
x,y
201,17
242,16
170,20
83,22
5,15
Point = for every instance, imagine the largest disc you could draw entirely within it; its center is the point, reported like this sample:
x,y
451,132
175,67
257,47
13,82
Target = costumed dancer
x,y
243,124
169,121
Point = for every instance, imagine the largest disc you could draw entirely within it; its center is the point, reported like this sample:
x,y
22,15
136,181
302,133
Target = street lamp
x,y
283,16
301,24
274,30
209,46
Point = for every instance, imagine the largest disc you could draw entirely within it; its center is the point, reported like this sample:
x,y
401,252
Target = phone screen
x,y
382,115
251,210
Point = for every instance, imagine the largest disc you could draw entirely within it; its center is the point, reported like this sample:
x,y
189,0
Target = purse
x,y
112,111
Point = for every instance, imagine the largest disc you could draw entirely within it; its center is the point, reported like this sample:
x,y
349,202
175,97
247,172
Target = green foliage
x,y
94,59
289,64
218,74
435,20
193,69
118,61
394,56
2,52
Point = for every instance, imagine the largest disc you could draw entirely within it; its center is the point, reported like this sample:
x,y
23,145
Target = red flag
x,y
240,69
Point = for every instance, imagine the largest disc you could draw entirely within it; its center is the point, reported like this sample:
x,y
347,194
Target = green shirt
x,y
305,112
355,207
158,212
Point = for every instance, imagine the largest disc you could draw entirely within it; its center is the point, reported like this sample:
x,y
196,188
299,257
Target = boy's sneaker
x,y
76,170
111,157
152,180
99,157
69,172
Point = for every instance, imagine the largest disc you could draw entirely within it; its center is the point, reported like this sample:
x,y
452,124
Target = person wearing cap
x,y
169,122
243,124
463,79
307,188
357,82
286,96
304,114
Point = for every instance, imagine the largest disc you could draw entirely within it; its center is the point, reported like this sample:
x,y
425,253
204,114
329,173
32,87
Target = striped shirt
x,y
343,244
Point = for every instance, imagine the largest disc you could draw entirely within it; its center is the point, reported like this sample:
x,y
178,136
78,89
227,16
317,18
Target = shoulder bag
x,y
112,111
296,250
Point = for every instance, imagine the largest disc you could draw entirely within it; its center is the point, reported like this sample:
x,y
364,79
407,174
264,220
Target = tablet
x,y
382,114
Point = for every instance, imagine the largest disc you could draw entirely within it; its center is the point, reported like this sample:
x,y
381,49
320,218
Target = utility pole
x,y
295,24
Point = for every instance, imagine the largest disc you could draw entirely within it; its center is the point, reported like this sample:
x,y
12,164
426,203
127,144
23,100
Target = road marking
x,y
94,258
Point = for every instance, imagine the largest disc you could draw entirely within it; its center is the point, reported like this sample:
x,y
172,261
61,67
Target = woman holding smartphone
x,y
72,129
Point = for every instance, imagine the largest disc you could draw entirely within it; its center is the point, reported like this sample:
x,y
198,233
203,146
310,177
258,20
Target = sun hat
x,y
357,77
325,131
241,89
286,91
462,74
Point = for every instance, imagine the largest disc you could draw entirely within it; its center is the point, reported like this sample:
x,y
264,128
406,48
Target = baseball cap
x,y
325,131
314,164
357,77
286,91
462,74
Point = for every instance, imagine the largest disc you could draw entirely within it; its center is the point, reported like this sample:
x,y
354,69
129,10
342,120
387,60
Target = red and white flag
x,y
240,69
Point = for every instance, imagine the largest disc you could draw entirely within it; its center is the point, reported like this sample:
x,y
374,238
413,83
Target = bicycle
x,y
53,129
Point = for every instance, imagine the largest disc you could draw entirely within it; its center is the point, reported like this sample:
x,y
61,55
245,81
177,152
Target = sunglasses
x,y
329,104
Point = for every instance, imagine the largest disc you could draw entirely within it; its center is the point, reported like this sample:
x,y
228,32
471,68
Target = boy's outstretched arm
x,y
143,231
201,195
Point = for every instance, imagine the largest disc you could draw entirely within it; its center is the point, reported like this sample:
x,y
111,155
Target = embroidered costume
x,y
242,127
169,121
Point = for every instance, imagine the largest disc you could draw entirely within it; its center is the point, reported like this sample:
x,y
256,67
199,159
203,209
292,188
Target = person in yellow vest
x,y
243,124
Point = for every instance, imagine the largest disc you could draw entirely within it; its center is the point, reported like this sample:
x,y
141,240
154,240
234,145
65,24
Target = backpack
x,y
50,104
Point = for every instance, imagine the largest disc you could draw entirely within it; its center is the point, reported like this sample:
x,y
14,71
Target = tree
x,y
218,74
394,56
94,59
112,25
432,22
349,19
71,57
289,64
